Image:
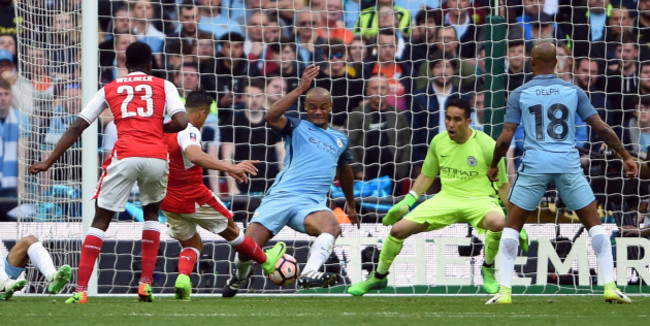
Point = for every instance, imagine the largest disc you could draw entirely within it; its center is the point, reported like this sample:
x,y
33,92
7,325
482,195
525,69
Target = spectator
x,y
306,36
518,71
120,25
245,137
357,54
564,66
254,45
10,152
379,135
388,20
68,106
232,70
212,21
446,41
588,29
186,33
467,31
284,57
533,10
368,23
333,25
643,23
34,89
620,22
622,77
118,68
639,128
187,79
478,106
423,35
386,64
8,42
333,76
142,17
65,36
588,76
427,109
276,88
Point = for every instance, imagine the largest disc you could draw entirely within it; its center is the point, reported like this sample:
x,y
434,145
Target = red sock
x,y
89,252
186,260
250,249
150,244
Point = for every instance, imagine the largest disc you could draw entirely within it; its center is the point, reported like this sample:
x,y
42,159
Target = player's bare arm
x,y
275,116
500,149
346,178
239,171
69,137
607,134
178,123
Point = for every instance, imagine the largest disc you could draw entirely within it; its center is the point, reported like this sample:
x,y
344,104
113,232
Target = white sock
x,y
42,260
243,267
319,252
508,247
603,249
238,240
152,225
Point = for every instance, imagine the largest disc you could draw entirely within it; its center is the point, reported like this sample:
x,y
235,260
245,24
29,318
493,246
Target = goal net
x,y
390,67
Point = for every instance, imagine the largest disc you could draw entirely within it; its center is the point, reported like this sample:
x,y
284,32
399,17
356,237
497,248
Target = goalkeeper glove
x,y
398,210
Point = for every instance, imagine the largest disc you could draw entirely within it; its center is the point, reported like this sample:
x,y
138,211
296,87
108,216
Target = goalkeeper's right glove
x,y
400,209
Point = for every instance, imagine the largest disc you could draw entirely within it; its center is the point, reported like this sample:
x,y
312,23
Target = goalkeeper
x,y
462,156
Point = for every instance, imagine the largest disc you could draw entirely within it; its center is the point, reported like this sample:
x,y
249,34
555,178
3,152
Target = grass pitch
x,y
324,310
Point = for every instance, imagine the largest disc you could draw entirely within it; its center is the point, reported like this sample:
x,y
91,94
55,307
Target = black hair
x,y
198,100
231,37
138,55
462,104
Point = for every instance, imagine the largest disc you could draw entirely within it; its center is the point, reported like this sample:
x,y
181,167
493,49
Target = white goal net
x,y
390,67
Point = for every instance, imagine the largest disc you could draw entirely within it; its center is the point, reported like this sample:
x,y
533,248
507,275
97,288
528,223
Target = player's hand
x,y
308,76
352,214
241,170
38,167
398,210
493,173
631,169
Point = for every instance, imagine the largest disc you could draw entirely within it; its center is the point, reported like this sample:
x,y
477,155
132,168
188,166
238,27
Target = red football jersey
x,y
138,103
185,188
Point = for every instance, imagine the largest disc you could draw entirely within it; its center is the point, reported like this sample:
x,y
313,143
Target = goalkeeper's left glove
x,y
400,209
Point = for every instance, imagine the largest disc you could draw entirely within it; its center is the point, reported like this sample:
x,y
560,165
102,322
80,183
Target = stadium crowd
x,y
390,66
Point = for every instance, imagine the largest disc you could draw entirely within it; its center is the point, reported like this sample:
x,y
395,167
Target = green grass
x,y
324,310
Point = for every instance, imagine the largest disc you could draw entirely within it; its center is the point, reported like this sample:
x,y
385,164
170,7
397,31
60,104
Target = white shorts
x,y
120,175
182,226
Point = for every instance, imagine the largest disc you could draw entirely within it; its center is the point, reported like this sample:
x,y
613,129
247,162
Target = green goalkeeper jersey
x,y
463,167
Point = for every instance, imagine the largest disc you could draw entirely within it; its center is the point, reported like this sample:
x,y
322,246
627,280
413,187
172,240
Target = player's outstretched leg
x,y
503,297
371,283
182,287
238,278
9,287
273,255
60,279
614,295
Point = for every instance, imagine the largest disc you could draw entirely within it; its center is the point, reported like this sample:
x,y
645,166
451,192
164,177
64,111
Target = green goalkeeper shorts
x,y
442,210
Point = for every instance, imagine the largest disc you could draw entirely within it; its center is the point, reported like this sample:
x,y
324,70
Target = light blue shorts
x,y
279,210
573,188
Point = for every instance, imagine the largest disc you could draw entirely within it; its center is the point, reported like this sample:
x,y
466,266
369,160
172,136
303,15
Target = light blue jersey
x,y
547,107
313,154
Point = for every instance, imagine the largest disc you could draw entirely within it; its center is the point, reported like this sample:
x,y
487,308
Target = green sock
x,y
491,246
392,247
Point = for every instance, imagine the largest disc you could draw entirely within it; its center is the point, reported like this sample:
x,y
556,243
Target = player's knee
x,y
333,229
494,222
397,231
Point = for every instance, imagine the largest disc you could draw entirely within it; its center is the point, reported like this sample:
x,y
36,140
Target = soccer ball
x,y
286,271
